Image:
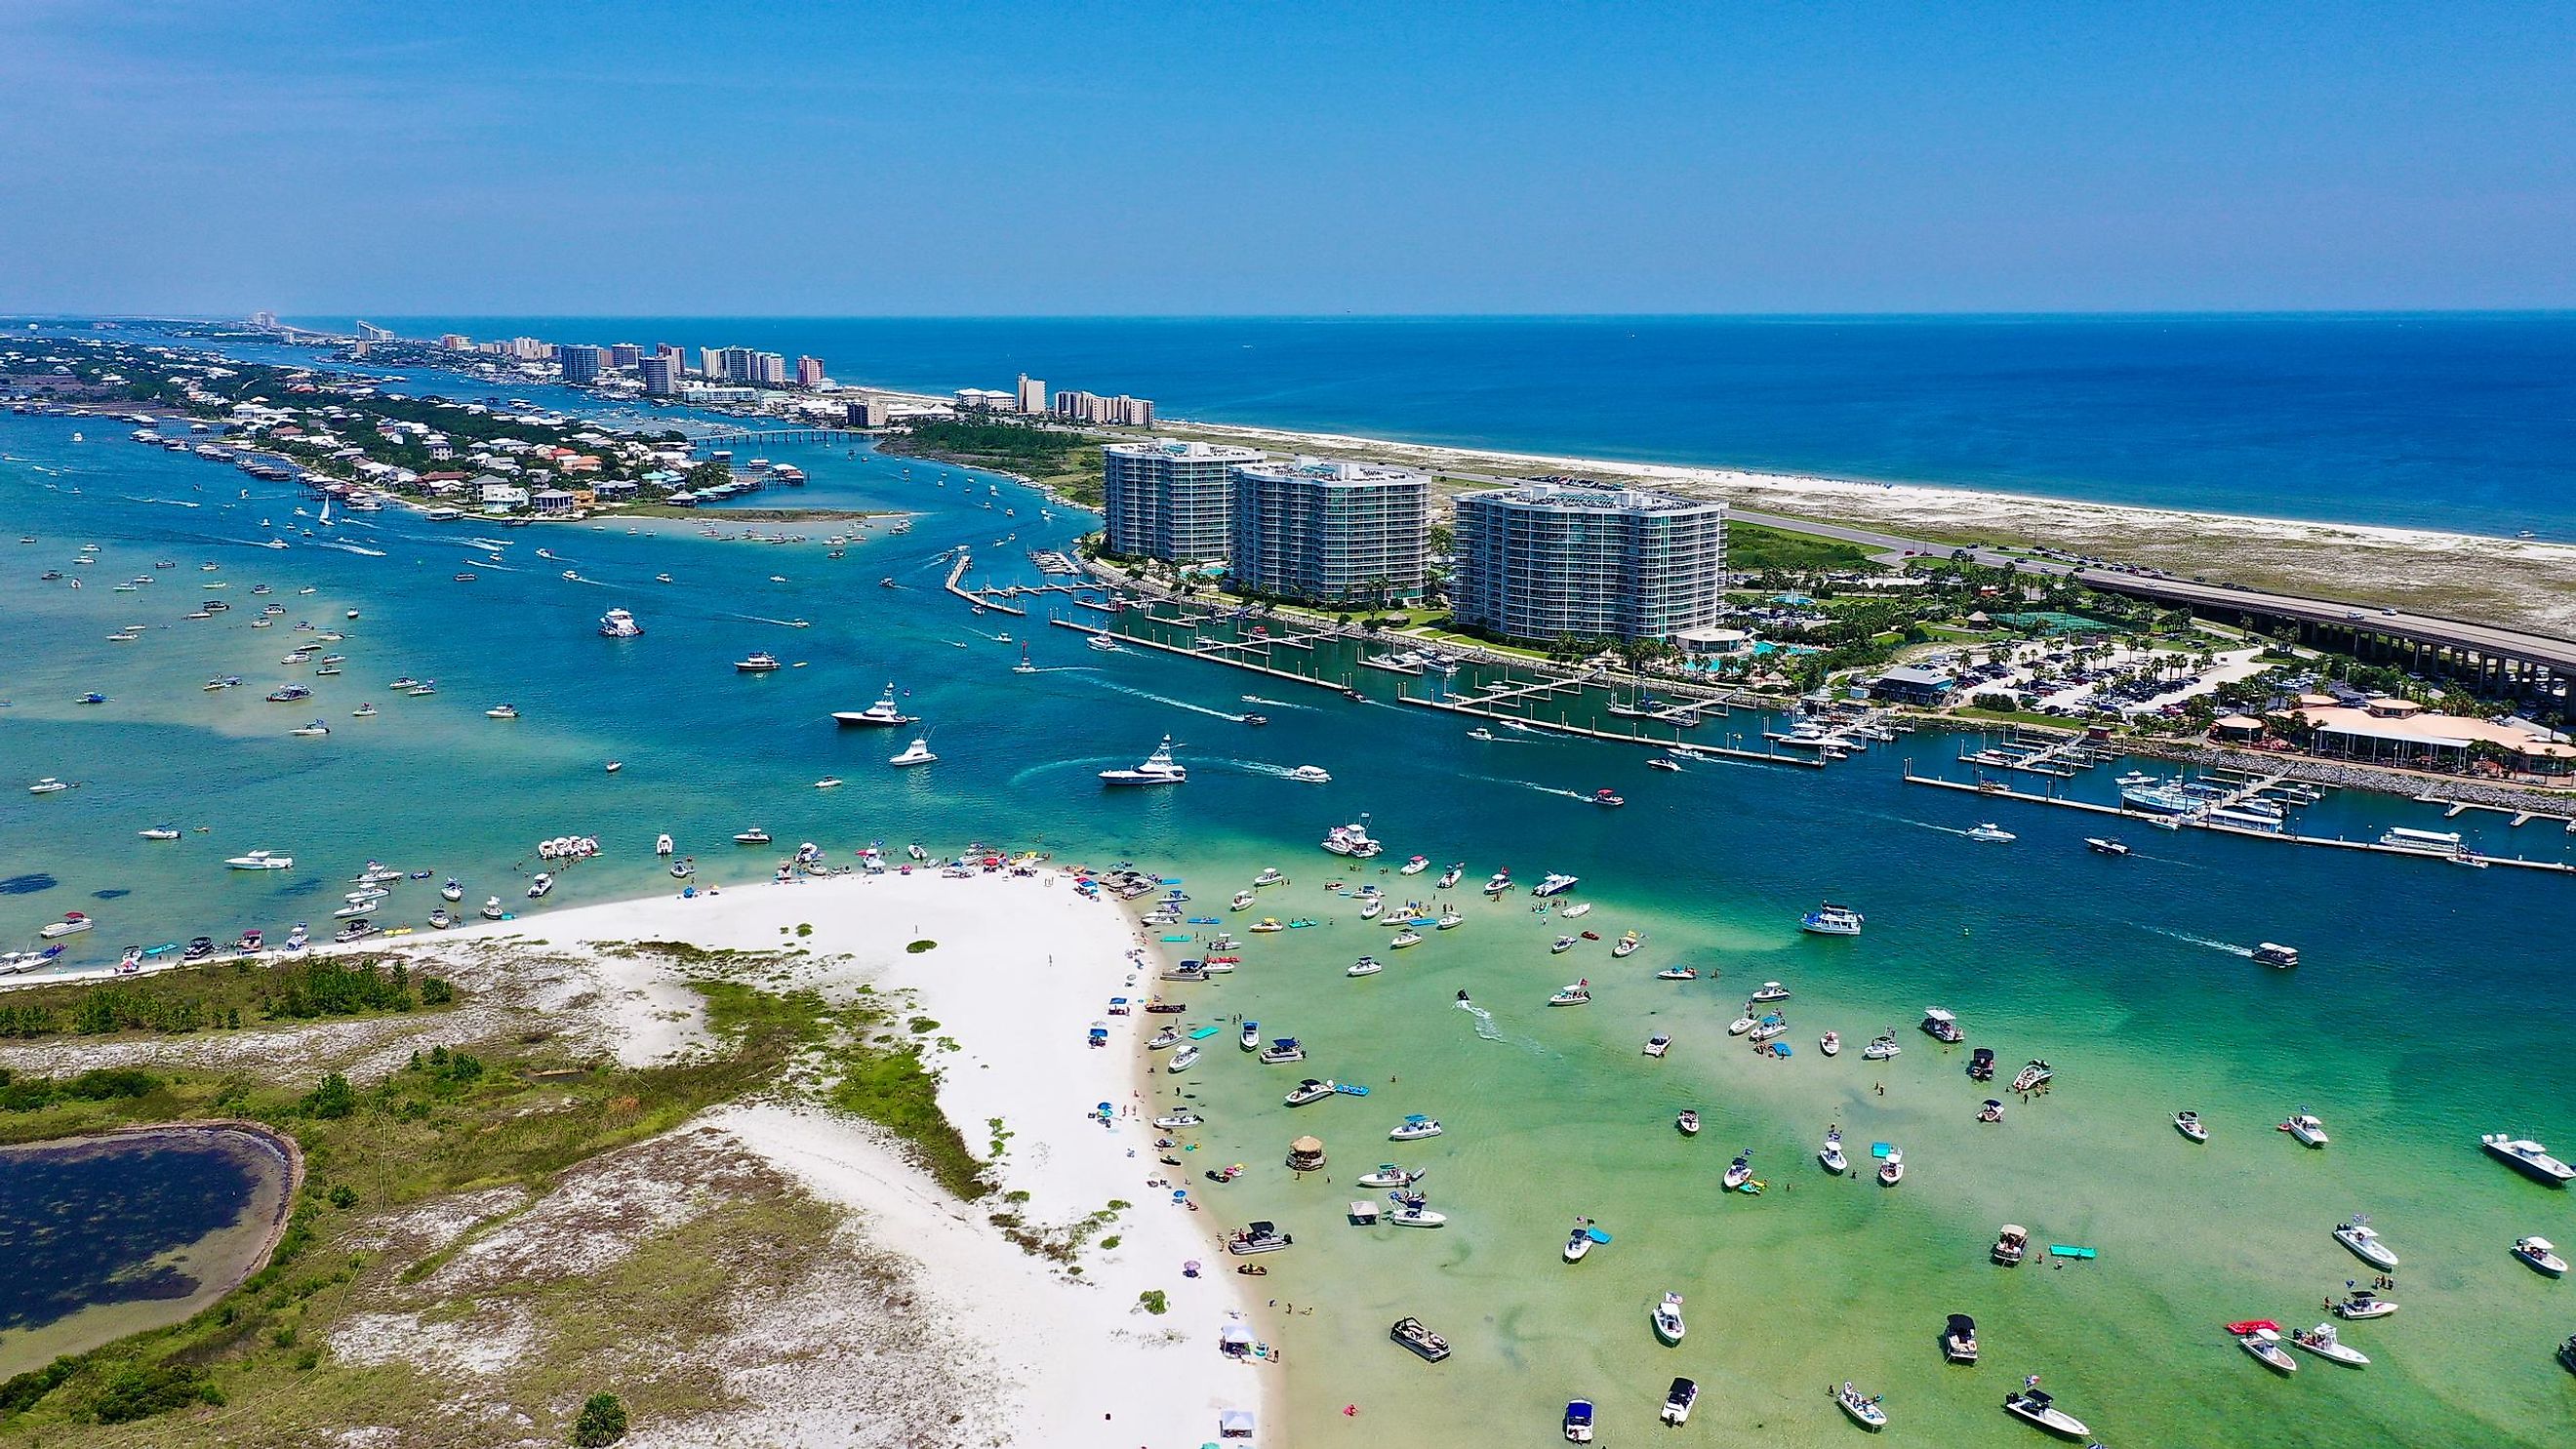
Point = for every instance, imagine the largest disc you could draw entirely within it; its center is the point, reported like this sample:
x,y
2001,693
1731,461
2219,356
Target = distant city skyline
x,y
1026,160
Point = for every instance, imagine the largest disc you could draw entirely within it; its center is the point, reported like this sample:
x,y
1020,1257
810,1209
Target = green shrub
x,y
917,947
1153,1301
139,1392
602,1421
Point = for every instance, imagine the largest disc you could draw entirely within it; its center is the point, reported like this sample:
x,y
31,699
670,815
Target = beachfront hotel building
x,y
1543,561
1171,500
1322,531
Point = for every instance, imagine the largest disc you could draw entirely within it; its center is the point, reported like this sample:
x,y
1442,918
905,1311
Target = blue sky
x,y
1077,158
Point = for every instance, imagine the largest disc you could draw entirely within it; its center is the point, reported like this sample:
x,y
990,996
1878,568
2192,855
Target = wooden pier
x,y
980,601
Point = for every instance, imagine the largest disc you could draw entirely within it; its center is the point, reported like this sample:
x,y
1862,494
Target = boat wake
x,y
169,502
347,547
1928,825
2230,947
1264,767
1174,703
1276,703
1484,1021
1534,785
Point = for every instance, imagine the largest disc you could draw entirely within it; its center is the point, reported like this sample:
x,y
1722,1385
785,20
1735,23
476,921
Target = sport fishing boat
x,y
884,712
1352,840
1863,1408
2261,1337
1499,883
2325,1344
1829,919
492,909
2305,1126
2539,1255
619,624
916,753
261,860
2036,1408
2189,1125
2528,1158
1667,1317
1554,884
2365,1243
1158,769
1831,1154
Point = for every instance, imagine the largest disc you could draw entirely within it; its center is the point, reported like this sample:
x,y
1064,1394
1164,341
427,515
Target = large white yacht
x,y
884,712
619,624
1352,840
1158,769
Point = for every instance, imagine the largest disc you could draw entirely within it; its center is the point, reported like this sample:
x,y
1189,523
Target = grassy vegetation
x,y
1069,463
1753,548
223,995
514,1111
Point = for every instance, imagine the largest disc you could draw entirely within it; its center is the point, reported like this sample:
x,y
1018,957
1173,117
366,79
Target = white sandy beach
x,y
1022,969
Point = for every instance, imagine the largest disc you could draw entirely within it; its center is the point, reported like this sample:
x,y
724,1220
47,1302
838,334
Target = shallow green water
x,y
2431,1007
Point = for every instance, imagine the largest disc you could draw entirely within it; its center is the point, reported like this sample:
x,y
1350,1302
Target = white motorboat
x,y
1881,1047
261,860
1578,1244
1282,1051
541,884
1105,644
1414,866
1678,973
2189,1125
662,844
2104,845
2263,1341
159,832
619,624
1412,1214
72,924
1626,945
1307,1091
1449,919
1365,966
311,731
502,711
2361,1304
1450,876
1311,774
492,909
1771,991
1404,938
884,712
1180,1119
1831,920
1959,1339
1560,945
2539,1255
2521,1154
916,753
1740,1171
1158,769
1187,1058
1270,875
2276,955
2365,1243
1863,1408
1658,1044
1577,994
760,662
1831,1154
1688,1121
1414,1128
2034,1407
1352,840
1740,1026
1554,883
1499,883
1168,1037
1372,908
1667,1317
2033,1075
1991,834
1831,1044
1678,1400
1390,1174
48,786
1579,908
1892,1170
2307,1128
2325,1344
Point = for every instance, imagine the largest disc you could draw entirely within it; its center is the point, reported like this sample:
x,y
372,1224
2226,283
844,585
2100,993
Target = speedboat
x,y
2033,1075
159,832
1668,1319
754,836
492,909
1352,840
1270,876
538,887
1831,920
1578,1421
2522,1155
1892,1170
1678,973
364,711
1412,1212
2189,1125
1688,1121
1561,945
2362,1303
1942,1026
1992,834
2540,1256
916,753
1881,1047
1863,1408
2365,1243
353,931
1608,797
2012,1242
1740,1025
1158,769
1831,1154
1579,908
1169,1036
1309,1090
1414,866
261,860
2101,845
1180,1119
1771,1027
1959,1339
1404,938
1740,1171
1450,876
1414,1128
440,920
619,624
2323,1342
1658,1044
1365,966
1660,763
2261,1337
2305,1126
1499,883
1578,994
1372,908
1554,883
1831,1044
502,711
1187,1058
1449,919
1282,1051
884,712
1678,1400
1578,1244
759,662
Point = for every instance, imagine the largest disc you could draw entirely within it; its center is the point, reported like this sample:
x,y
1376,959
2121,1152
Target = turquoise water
x,y
2430,1007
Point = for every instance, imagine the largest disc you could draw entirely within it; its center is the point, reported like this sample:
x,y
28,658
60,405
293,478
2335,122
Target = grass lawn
x,y
1752,548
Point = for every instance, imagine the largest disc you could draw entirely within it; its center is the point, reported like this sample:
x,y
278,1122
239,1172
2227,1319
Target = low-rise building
x,y
2402,732
1914,684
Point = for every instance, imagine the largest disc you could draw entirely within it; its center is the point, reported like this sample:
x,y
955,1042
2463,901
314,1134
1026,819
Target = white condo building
x,y
1324,531
1170,500
1546,561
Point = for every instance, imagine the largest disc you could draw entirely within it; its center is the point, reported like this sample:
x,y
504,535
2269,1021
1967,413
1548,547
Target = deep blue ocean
x,y
2464,422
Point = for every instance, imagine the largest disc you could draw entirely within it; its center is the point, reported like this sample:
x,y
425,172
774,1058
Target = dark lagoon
x,y
110,1235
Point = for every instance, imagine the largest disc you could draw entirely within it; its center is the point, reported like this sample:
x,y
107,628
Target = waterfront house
x,y
1911,684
